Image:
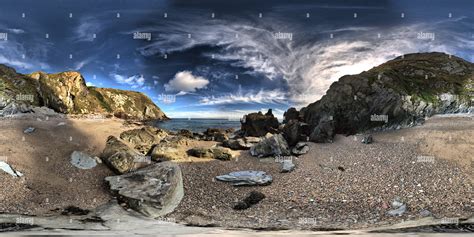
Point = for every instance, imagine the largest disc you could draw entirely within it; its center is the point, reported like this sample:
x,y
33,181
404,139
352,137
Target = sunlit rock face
x,y
67,92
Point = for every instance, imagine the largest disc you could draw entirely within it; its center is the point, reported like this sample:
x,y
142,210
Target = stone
x,y
252,198
9,170
259,124
246,178
287,166
323,132
169,149
154,191
218,153
82,160
185,133
398,208
300,148
29,130
120,157
142,139
215,134
367,139
271,145
244,143
425,213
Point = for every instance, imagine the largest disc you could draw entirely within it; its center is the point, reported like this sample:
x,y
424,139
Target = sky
x,y
215,58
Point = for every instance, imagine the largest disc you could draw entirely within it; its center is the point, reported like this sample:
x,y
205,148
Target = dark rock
x,y
323,132
394,94
258,124
291,114
367,139
154,191
253,198
185,133
215,134
271,145
340,168
74,211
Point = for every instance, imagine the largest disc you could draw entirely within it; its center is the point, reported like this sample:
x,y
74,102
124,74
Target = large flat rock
x,y
154,191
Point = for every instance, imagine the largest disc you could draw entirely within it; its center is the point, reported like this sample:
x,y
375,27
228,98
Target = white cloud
x,y
261,97
135,81
90,83
185,81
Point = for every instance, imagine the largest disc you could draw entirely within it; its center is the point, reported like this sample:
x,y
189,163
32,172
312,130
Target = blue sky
x,y
224,59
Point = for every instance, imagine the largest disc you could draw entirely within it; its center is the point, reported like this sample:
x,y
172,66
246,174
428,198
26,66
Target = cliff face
x,y
398,93
66,92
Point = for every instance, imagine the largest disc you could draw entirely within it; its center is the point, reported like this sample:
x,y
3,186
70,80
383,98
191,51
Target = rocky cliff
x,y
67,93
398,93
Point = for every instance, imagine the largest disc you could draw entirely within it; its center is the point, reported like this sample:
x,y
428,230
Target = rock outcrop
x,y
398,93
67,93
259,124
119,157
271,145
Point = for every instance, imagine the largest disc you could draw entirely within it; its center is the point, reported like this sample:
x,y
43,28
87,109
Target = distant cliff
x,y
398,93
67,93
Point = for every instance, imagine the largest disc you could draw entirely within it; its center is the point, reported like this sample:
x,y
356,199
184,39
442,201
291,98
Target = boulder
x,y
169,149
246,178
259,124
82,160
142,139
215,134
323,132
185,133
244,143
154,191
300,148
252,198
218,153
271,145
120,157
295,131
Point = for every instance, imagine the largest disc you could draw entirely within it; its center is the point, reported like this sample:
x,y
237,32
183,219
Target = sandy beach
x,y
342,185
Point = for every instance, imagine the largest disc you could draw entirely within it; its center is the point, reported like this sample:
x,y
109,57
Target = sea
x,y
197,124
